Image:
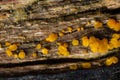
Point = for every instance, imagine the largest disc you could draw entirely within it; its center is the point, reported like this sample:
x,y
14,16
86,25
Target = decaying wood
x,y
30,22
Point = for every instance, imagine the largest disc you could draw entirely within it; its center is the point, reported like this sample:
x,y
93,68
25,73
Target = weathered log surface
x,y
29,22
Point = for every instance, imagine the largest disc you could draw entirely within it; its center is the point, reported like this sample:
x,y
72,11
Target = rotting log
x,y
26,24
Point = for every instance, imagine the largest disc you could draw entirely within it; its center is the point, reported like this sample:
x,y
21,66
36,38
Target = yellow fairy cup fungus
x,y
38,46
13,47
73,67
34,55
114,43
113,24
98,24
52,37
61,34
9,52
65,44
75,42
21,54
86,65
82,28
70,29
78,29
85,41
7,43
63,50
0,46
103,47
45,51
111,60
15,56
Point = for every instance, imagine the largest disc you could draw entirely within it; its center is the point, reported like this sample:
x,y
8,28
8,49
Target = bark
x,y
30,22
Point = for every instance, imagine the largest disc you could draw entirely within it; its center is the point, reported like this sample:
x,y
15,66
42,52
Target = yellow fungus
x,y
82,28
78,29
73,67
34,55
85,41
38,46
111,60
59,43
113,24
45,51
13,47
21,55
63,31
65,44
92,39
52,37
0,46
61,34
63,50
70,29
15,56
114,42
108,62
114,59
86,65
117,36
7,43
9,52
75,42
98,24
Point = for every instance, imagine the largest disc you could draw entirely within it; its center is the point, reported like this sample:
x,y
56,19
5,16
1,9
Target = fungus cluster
x,y
52,37
98,24
101,46
111,60
113,24
62,49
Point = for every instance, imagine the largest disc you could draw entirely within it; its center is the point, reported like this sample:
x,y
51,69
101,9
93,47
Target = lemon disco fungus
x,y
111,60
98,24
52,37
63,50
13,47
38,46
45,51
113,24
86,65
9,52
75,42
21,54
85,41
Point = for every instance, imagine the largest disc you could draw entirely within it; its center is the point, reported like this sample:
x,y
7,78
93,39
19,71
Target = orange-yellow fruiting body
x,y
21,55
98,24
15,56
13,47
113,24
45,51
73,67
61,34
63,50
70,29
75,42
85,41
9,52
78,29
86,65
52,37
82,28
34,55
7,43
38,46
111,60
65,44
